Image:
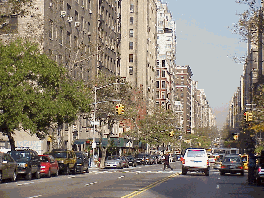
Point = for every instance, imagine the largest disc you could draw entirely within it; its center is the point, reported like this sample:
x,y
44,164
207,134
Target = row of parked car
x,y
27,163
116,161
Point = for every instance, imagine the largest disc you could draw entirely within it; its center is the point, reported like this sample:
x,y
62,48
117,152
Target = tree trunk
x,y
103,157
11,141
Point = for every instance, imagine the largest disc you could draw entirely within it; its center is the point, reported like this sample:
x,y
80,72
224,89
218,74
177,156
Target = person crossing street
x,y
167,162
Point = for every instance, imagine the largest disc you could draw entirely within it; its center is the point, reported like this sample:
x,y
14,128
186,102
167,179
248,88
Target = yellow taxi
x,y
244,158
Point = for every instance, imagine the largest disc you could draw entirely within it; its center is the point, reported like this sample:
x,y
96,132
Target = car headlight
x,y
79,164
61,161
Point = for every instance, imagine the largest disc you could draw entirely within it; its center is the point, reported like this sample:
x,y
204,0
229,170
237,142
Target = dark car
x,y
82,162
49,166
232,164
28,162
8,167
67,160
141,158
132,161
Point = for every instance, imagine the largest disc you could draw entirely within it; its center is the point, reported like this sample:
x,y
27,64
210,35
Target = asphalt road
x,y
141,181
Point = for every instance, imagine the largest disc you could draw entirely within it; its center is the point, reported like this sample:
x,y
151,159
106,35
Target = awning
x,y
80,141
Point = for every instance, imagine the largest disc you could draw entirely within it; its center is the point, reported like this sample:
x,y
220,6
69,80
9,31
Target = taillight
x,y
207,162
240,167
223,166
259,169
183,161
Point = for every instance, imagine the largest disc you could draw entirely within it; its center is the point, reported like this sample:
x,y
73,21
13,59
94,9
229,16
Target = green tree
x,y
36,92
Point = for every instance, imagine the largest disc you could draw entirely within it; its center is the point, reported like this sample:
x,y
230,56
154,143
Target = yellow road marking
x,y
137,192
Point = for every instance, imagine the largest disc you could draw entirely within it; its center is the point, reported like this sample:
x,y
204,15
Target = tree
x,y
36,92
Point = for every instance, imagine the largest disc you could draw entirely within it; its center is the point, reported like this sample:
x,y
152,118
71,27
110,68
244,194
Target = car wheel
x,y
87,170
222,173
184,172
37,174
242,173
14,176
206,173
29,175
0,177
49,174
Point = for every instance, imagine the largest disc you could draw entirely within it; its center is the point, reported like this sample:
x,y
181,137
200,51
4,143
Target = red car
x,y
49,166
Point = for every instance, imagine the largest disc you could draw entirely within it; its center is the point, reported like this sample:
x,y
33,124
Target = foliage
x,y
35,91
155,128
258,114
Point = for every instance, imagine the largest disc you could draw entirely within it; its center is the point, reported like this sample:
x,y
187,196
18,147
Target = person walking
x,y
167,162
251,167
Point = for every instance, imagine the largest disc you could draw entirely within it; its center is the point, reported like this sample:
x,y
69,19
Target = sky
x,y
206,42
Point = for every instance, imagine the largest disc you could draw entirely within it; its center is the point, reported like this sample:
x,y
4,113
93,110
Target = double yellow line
x,y
137,192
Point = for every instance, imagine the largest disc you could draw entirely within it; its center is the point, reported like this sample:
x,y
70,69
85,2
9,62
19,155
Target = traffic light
x,y
118,109
235,137
171,133
122,109
246,116
250,116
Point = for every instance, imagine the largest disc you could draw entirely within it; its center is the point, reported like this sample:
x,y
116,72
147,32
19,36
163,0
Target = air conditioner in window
x,y
90,12
70,19
77,24
63,13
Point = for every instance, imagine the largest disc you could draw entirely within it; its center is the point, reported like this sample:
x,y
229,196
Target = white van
x,y
195,159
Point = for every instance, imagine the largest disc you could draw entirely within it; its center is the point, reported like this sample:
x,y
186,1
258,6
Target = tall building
x,y
182,87
166,56
138,46
81,35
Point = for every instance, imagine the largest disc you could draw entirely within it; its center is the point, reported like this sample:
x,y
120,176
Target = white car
x,y
195,159
113,162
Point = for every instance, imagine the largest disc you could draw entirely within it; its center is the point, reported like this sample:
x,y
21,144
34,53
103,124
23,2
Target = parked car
x,y
141,158
8,167
232,164
260,169
149,160
114,161
82,162
66,159
49,166
195,159
132,161
212,159
28,162
125,162
244,159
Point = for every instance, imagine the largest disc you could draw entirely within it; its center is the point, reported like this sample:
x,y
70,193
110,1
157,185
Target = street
x,y
141,181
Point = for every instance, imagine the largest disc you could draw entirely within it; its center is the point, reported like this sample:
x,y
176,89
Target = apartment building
x,y
138,46
81,35
182,87
166,56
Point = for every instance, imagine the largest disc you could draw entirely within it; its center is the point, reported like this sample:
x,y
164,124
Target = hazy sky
x,y
206,43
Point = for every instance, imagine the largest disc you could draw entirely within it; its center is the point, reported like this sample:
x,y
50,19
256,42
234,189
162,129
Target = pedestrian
x,y
251,166
167,162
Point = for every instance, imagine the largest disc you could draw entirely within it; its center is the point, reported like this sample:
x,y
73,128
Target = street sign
x,y
95,123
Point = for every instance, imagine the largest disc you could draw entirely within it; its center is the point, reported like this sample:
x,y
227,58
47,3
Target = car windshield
x,y
60,155
20,155
79,155
113,158
44,158
232,159
196,153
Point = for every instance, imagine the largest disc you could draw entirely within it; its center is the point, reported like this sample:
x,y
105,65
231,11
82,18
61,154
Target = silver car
x,y
114,161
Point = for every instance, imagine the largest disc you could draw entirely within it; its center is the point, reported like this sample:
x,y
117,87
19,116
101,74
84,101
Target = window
x,y
131,8
131,58
163,84
158,71
131,32
163,95
163,74
157,62
130,70
163,63
157,94
130,45
131,20
157,84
